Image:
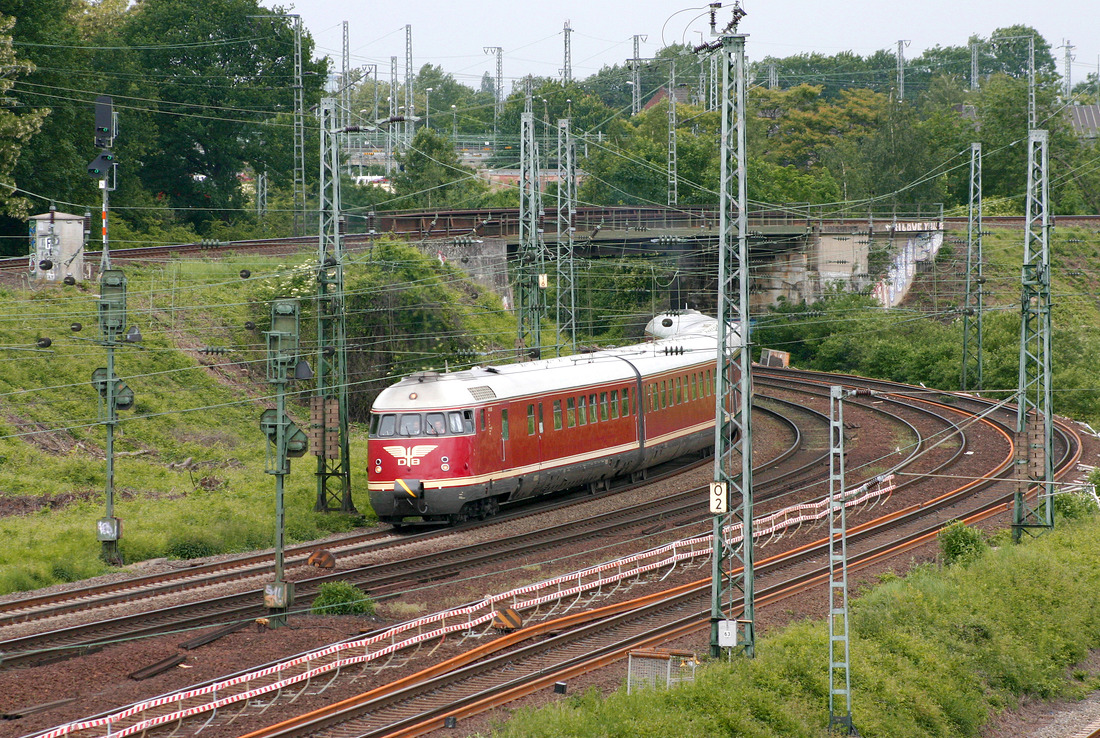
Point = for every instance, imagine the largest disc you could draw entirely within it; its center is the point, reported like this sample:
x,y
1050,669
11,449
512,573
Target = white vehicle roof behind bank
x,y
680,339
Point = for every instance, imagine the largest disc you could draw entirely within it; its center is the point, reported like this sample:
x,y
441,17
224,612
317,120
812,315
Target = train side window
x,y
504,424
482,419
557,414
603,406
410,424
626,402
710,387
570,412
593,409
654,403
694,386
387,426
679,390
468,421
582,411
614,404
664,394
530,420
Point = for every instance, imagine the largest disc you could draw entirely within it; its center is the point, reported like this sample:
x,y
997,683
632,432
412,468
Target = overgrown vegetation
x,y
189,475
933,654
921,341
342,598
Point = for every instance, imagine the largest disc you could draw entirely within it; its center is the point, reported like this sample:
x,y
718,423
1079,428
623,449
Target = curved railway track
x,y
791,471
484,678
939,441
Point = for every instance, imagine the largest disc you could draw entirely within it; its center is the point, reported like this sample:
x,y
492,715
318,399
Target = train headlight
x,y
445,467
377,470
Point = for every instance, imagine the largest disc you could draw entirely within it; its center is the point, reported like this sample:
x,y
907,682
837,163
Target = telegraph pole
x,y
974,47
839,652
732,563
975,281
1069,67
529,298
409,112
390,132
498,106
636,76
901,69
329,405
567,67
1034,416
673,179
566,317
299,131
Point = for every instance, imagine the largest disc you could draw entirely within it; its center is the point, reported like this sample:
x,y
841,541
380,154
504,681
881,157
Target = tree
x,y
220,80
59,71
431,176
15,128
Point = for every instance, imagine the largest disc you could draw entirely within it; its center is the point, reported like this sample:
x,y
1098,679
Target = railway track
x,y
803,450
419,704
380,580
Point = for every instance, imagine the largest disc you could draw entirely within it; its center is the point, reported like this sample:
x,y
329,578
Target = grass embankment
x,y
933,654
189,475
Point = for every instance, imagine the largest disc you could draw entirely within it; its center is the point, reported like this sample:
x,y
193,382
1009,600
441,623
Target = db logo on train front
x,y
409,456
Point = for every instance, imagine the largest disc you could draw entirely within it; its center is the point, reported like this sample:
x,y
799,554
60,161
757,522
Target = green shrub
x,y
191,546
342,598
961,544
1074,506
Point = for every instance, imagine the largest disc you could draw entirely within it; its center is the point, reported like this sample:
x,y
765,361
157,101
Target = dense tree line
x,y
204,93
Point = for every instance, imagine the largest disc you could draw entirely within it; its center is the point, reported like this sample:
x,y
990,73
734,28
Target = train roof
x,y
688,340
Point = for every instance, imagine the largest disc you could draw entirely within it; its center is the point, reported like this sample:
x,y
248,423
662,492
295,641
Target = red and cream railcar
x,y
446,447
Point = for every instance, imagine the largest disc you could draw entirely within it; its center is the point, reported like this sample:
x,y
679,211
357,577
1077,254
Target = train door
x,y
541,430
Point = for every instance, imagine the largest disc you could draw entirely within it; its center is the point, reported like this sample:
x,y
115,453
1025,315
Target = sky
x,y
453,35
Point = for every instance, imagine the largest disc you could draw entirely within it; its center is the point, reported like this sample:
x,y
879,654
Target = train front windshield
x,y
413,425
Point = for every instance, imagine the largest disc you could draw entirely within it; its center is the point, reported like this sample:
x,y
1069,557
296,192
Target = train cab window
x,y
482,419
593,409
626,402
435,425
504,424
455,424
557,414
582,411
530,420
384,425
603,406
570,412
614,404
409,425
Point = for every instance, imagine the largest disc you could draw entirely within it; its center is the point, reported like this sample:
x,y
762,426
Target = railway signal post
x,y
284,439
731,560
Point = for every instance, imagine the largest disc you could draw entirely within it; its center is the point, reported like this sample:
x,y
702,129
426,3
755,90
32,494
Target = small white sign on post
x,y
727,633
718,498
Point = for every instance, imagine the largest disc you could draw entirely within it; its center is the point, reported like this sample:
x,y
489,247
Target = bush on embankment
x,y
931,655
